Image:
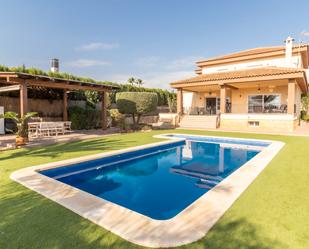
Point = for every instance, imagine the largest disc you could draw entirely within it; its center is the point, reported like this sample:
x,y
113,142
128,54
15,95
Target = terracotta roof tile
x,y
239,74
253,51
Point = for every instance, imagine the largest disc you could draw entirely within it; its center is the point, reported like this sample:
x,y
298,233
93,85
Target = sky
x,y
158,41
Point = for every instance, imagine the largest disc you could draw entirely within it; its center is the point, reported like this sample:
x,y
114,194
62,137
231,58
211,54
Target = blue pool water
x,y
158,182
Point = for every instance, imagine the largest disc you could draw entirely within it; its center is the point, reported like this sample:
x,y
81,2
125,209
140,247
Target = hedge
x,y
89,96
136,103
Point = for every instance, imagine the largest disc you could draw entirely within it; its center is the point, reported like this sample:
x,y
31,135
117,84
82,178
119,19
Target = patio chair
x,y
33,129
67,126
283,108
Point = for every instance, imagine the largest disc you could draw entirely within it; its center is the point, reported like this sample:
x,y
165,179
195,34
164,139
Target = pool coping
x,y
188,226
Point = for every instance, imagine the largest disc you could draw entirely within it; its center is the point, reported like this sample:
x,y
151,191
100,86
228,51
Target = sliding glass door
x,y
265,103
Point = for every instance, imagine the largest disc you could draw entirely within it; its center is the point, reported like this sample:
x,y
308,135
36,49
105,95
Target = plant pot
x,y
21,141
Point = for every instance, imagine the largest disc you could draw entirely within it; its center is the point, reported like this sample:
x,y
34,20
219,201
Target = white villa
x,y
257,89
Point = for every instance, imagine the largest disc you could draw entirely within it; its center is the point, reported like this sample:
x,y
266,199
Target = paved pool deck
x,y
6,141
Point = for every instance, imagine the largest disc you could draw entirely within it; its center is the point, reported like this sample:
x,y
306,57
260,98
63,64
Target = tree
x,y
139,82
305,103
136,104
131,81
172,102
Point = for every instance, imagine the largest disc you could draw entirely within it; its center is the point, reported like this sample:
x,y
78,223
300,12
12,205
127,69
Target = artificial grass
x,y
272,213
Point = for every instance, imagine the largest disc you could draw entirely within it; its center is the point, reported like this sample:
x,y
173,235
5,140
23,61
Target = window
x,y
263,103
254,123
228,105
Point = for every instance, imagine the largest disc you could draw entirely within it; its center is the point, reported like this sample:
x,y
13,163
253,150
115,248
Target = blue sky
x,y
157,41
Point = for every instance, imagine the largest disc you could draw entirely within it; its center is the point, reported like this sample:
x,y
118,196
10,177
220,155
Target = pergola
x,y
15,81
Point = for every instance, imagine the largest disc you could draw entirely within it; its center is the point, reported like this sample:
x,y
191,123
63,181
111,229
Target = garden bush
x,y
118,119
84,119
136,104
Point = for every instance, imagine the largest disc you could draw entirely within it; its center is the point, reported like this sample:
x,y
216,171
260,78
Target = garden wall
x,y
44,107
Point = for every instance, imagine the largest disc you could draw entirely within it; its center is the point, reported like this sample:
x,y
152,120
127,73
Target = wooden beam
x,y
23,99
104,111
9,88
231,87
65,105
50,84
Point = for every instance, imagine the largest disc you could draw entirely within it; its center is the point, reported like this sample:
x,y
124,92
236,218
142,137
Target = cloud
x,y
86,63
163,79
182,63
177,64
157,79
97,45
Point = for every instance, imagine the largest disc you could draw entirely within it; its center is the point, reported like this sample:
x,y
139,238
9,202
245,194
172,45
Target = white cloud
x,y
182,63
86,63
97,45
153,79
163,79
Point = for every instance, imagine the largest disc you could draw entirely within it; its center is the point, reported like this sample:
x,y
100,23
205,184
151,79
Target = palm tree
x,y
131,81
139,82
21,122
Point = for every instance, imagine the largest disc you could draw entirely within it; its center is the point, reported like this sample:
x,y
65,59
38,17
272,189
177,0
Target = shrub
x,y
172,103
136,104
118,119
306,118
84,119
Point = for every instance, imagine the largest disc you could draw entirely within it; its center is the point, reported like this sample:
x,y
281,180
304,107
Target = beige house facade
x,y
258,89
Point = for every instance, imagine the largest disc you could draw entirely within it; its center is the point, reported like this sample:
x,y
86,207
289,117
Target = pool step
x,y
206,184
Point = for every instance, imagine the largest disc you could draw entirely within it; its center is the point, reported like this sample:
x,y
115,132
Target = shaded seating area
x,y
17,81
48,129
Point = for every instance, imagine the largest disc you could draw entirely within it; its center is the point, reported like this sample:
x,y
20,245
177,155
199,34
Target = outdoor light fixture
x,y
210,93
271,88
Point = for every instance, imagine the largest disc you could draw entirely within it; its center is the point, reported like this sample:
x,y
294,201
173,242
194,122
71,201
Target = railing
x,y
258,109
204,111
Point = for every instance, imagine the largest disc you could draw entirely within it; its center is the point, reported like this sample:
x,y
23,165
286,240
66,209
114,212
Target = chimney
x,y
288,51
54,65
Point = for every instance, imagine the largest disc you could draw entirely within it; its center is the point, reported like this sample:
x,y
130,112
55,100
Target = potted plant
x,y
21,123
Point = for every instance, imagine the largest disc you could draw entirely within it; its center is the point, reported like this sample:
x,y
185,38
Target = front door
x,y
211,104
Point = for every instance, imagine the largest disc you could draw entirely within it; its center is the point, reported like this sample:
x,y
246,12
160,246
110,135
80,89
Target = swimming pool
x,y
163,194
161,181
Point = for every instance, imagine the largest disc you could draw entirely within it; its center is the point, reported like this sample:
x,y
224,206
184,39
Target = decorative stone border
x,y
188,226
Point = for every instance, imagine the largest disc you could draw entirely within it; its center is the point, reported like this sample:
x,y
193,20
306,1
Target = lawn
x,y
272,213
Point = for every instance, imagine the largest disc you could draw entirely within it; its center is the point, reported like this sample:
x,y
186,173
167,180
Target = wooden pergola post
x,y
104,111
65,105
23,96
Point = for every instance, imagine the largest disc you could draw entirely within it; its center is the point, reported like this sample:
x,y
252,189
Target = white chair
x,y
67,126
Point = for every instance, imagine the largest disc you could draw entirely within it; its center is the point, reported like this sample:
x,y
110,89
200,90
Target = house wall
x,y
240,97
267,122
295,62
